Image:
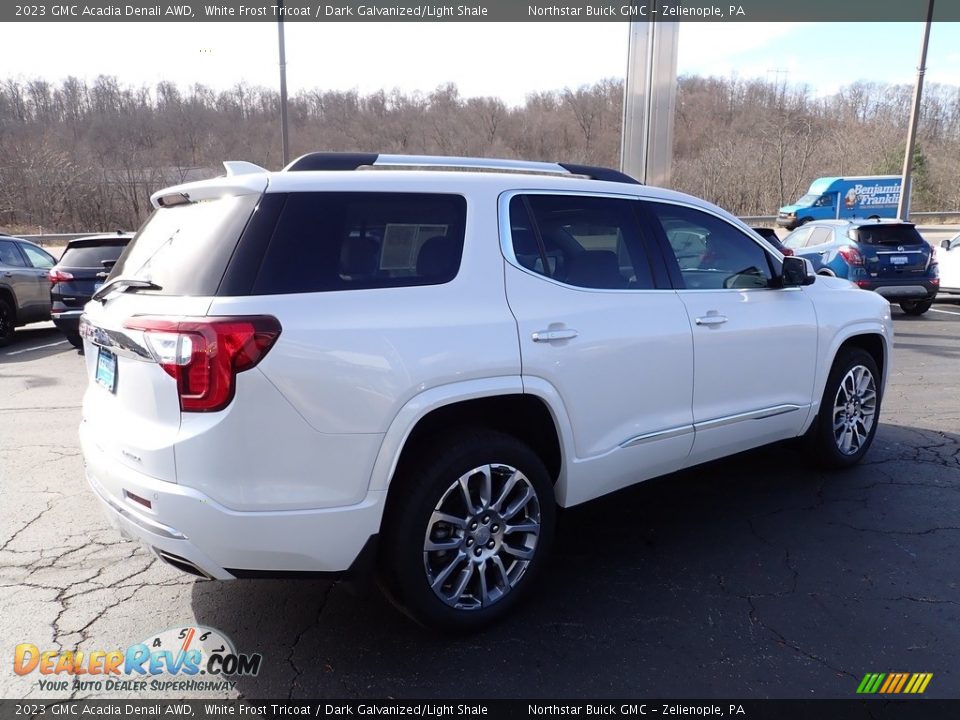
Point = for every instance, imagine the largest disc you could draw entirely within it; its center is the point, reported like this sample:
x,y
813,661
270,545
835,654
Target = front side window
x,y
584,241
349,241
798,238
712,254
9,255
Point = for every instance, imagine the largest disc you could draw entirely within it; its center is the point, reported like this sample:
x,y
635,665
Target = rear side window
x,y
38,258
820,236
91,256
887,235
185,248
327,241
590,242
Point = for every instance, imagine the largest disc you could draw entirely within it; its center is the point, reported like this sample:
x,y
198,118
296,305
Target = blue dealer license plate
x,y
107,370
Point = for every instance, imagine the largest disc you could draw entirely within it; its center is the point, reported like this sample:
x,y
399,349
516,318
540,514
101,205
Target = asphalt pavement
x,y
754,577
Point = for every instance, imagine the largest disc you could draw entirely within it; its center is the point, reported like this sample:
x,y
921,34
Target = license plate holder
x,y
899,259
106,373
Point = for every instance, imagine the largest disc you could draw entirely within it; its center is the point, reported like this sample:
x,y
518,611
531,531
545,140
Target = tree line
x,y
79,156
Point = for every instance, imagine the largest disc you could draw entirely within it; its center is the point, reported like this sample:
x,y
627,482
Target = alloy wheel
x,y
482,536
854,410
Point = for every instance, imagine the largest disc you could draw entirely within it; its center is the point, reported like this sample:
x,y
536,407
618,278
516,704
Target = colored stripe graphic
x,y
894,683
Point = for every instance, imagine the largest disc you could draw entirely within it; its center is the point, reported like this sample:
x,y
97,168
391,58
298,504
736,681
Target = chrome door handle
x,y
711,320
553,335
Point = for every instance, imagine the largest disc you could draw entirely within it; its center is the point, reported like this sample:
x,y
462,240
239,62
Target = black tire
x,y
804,221
8,322
430,482
915,307
822,441
75,340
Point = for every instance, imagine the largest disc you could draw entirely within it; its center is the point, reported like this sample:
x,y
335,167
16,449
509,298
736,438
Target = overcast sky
x,y
507,60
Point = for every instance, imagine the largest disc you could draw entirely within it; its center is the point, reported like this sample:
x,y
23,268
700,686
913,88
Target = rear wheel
x,y
915,307
469,531
849,411
8,321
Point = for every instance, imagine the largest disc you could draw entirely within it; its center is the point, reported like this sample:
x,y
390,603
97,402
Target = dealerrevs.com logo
x,y
183,659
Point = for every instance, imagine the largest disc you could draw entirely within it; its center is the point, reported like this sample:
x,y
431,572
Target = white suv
x,y
416,360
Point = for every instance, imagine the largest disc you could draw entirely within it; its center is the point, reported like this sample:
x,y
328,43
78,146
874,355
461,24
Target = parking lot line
x,y
948,312
38,347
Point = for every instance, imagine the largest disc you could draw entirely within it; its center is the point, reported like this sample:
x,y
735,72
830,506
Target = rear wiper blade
x,y
125,282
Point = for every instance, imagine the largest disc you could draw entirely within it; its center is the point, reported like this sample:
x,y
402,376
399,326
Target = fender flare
x,y
860,327
429,400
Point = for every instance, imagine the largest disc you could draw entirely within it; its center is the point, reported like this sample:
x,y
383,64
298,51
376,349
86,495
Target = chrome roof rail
x,y
352,161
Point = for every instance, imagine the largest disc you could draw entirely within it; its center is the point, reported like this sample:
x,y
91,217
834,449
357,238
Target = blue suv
x,y
887,256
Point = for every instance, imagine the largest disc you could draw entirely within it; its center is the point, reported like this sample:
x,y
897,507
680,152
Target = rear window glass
x,y
91,256
185,248
887,235
349,241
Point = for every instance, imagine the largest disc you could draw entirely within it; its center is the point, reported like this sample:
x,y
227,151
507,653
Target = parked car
x,y
24,285
315,369
948,259
887,256
82,268
770,235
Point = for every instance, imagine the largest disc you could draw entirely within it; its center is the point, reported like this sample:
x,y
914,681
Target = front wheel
x,y
849,411
8,322
469,531
915,307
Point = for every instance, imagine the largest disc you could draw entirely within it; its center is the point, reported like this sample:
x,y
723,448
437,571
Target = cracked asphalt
x,y
753,577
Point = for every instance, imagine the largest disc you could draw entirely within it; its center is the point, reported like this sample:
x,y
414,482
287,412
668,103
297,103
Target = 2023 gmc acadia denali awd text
x,y
418,359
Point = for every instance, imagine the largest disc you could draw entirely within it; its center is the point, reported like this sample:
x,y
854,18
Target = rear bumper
x,y
183,524
903,290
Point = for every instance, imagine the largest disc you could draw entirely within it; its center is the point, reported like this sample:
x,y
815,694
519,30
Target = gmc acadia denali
x,y
416,360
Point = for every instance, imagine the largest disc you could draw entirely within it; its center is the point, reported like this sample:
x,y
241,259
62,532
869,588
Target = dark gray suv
x,y
24,284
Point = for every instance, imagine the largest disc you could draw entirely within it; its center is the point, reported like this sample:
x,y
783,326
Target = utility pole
x,y
903,207
284,134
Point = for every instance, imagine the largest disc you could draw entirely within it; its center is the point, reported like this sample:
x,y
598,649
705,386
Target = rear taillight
x,y
57,276
204,355
851,255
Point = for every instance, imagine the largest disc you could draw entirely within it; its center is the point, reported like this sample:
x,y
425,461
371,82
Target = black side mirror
x,y
945,244
797,271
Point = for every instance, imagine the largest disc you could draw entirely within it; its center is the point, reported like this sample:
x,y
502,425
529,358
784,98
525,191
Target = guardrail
x,y
63,238
926,215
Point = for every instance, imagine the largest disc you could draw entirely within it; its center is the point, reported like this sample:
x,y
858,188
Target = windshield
x,y
185,248
807,199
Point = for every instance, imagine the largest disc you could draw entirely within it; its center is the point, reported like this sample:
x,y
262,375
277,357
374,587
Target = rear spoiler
x,y
242,178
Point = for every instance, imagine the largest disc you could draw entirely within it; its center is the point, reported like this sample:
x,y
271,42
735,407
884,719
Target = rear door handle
x,y
553,335
711,320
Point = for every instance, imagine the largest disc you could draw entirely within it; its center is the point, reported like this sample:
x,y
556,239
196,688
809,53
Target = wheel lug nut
x,y
473,525
490,544
469,542
496,528
477,552
486,519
